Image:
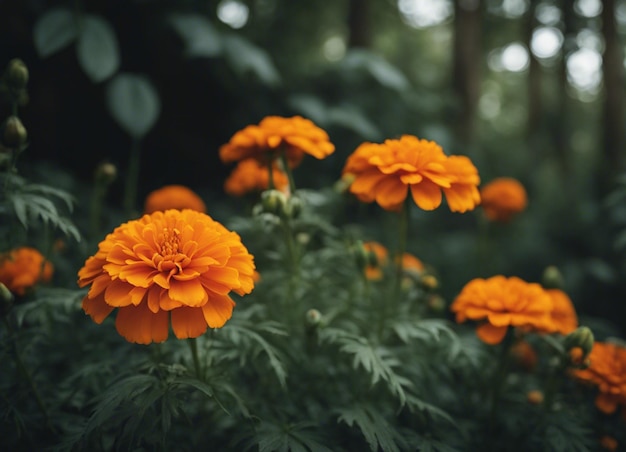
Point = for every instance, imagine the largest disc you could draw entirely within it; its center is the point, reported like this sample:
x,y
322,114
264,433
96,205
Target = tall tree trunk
x,y
358,24
467,62
560,131
535,104
613,123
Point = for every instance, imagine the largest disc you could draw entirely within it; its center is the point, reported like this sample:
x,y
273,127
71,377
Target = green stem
x,y
482,245
193,345
19,362
270,174
288,172
132,178
499,378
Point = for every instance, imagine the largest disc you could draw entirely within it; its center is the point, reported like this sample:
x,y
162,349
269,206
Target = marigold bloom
x,y
374,271
607,371
412,264
173,197
500,302
563,314
296,136
22,268
386,172
502,198
173,265
250,175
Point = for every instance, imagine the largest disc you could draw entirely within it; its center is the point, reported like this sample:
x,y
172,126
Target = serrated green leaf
x,y
97,49
134,103
377,431
200,37
53,31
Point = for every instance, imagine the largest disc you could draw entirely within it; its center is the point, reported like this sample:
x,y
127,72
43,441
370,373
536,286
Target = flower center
x,y
169,240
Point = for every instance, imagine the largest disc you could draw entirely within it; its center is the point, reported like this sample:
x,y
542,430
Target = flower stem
x,y
132,178
497,383
193,345
288,172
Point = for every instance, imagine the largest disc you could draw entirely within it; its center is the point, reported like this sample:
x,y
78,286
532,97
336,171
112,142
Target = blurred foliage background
x,y
531,89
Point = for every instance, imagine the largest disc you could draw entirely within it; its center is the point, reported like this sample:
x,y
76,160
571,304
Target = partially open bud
x,y
579,344
429,282
535,397
361,255
16,75
552,278
14,134
436,303
293,207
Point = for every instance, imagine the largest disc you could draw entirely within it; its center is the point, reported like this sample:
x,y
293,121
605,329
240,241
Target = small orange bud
x,y
609,443
535,397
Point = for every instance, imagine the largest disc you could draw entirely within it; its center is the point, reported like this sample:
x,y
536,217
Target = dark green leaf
x,y
97,48
54,30
245,57
133,103
200,37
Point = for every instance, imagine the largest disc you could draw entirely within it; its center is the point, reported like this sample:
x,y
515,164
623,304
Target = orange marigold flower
x,y
373,270
607,371
173,265
563,314
250,175
173,197
502,198
609,443
501,302
386,172
22,268
296,136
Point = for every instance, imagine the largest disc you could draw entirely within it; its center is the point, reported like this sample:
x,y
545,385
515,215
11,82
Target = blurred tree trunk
x,y
560,131
535,104
614,138
358,24
467,62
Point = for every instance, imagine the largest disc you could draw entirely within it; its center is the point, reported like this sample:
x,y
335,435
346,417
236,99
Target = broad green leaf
x,y
200,37
133,103
245,57
97,49
53,31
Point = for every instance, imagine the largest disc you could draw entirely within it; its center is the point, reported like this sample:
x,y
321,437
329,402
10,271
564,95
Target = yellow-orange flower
x,y
412,264
295,136
607,371
387,172
499,302
173,265
564,318
173,197
250,175
374,271
502,198
22,268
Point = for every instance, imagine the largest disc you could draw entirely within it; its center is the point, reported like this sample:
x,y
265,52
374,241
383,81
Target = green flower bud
x,y
293,208
105,173
274,201
14,135
313,318
552,278
361,255
6,299
16,75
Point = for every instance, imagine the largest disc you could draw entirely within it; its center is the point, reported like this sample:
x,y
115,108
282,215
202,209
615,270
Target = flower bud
x,y
16,75
6,299
436,303
552,278
429,282
581,338
293,207
273,201
361,255
313,318
343,184
535,397
14,134
105,173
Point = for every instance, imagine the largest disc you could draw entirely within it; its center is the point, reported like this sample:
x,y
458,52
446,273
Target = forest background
x,y
528,89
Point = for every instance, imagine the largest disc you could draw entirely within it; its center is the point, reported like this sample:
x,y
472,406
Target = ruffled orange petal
x,y
188,322
490,334
391,193
427,195
139,325
218,310
189,293
97,308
